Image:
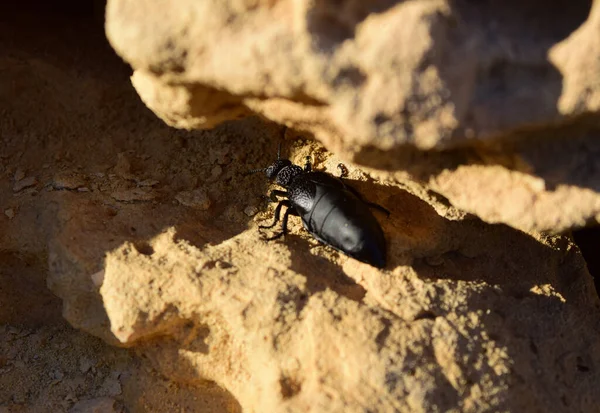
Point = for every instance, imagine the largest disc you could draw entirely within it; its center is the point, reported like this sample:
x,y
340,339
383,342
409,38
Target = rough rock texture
x,y
66,113
502,89
468,327
148,237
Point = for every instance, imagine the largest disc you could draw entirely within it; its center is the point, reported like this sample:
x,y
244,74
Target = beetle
x,y
331,211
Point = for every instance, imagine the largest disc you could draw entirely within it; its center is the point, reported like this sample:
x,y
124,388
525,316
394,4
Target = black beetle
x,y
332,211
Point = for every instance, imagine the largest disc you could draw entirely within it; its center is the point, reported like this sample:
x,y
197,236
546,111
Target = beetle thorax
x,y
286,174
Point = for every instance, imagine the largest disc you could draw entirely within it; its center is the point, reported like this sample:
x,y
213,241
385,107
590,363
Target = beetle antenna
x,y
253,171
282,139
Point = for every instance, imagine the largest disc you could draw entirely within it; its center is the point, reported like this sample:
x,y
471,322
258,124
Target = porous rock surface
x,y
145,235
497,101
472,328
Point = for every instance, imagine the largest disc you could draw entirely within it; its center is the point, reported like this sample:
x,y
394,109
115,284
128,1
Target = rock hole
x,y
351,76
391,380
333,21
425,315
381,118
383,334
144,248
289,387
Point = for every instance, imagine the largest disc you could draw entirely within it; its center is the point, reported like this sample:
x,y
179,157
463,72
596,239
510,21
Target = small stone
x,y
99,405
83,189
197,198
112,385
67,180
148,182
10,213
251,210
98,278
216,171
123,166
24,183
19,174
85,364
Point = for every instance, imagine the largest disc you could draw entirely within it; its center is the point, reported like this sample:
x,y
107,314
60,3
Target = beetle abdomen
x,y
339,219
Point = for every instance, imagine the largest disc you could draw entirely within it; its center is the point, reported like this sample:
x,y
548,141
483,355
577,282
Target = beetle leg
x,y
284,223
379,208
307,165
275,193
370,204
343,170
277,213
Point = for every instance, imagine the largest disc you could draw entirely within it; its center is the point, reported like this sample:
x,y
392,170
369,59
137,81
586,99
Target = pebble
x,y
216,171
251,210
148,182
85,364
98,405
112,385
19,174
67,180
98,278
24,183
10,213
197,198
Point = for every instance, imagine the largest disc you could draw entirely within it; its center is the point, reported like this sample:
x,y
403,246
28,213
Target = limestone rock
x,y
454,330
384,73
467,316
375,81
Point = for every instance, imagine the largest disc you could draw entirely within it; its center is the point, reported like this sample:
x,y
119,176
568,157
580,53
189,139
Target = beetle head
x,y
273,169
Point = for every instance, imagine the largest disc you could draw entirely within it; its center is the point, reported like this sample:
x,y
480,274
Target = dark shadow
x,y
332,22
511,41
588,241
567,154
320,272
24,298
438,248
68,105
